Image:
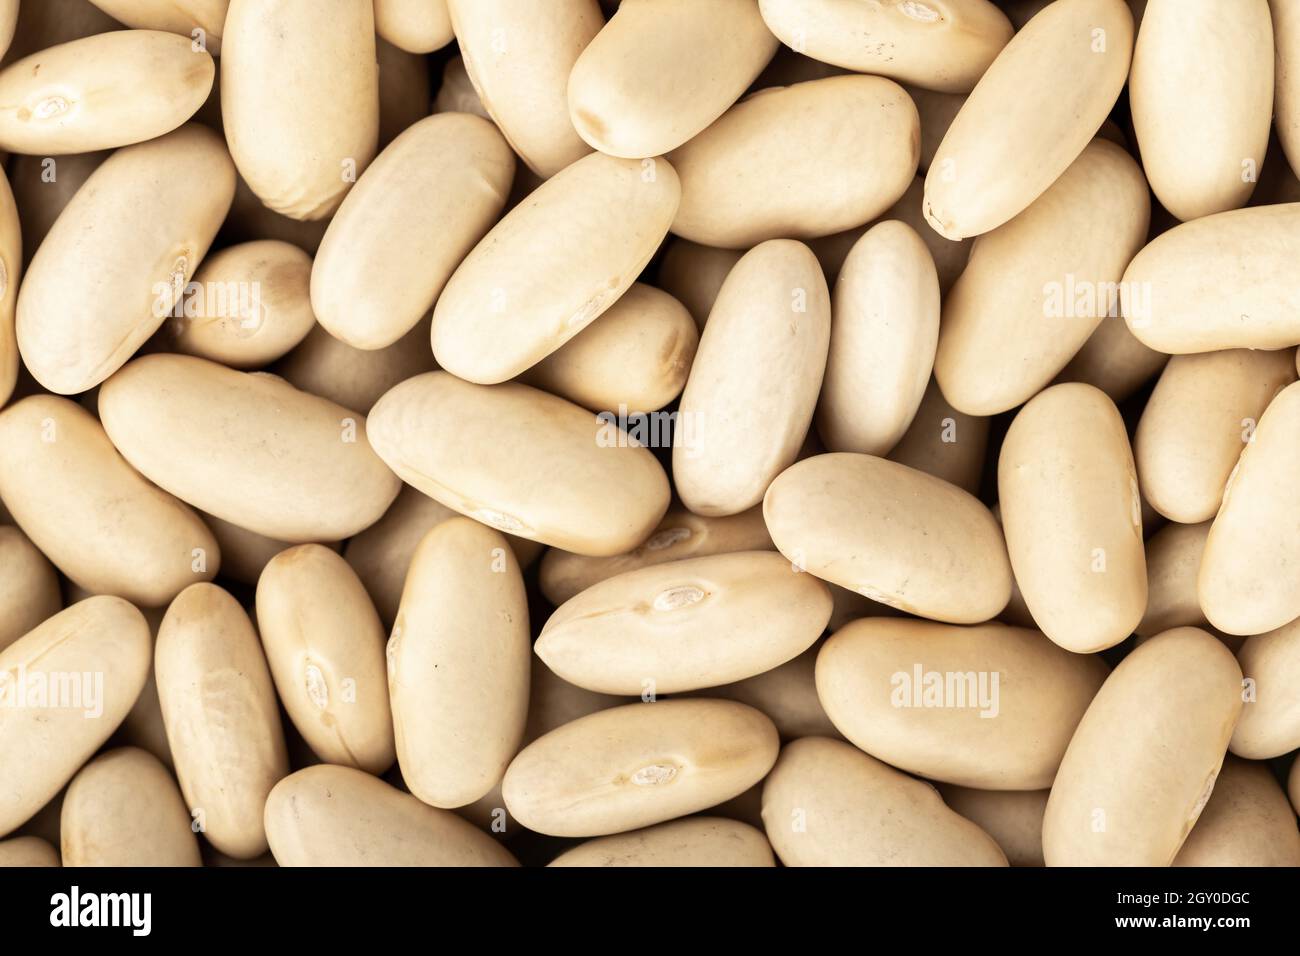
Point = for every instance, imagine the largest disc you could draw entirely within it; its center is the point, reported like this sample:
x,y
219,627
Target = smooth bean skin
x,y
1286,93
196,20
695,841
884,331
944,47
787,694
222,717
65,477
339,816
1179,695
247,447
29,590
1072,516
1005,736
1198,419
1037,287
1173,557
458,663
826,803
637,765
124,809
1250,574
1248,822
753,386
552,266
892,534
1201,90
300,100
693,274
780,163
1270,720
686,625
45,746
27,851
400,233
138,230
324,643
1114,360
102,92
944,442
612,496
416,26
1030,115
661,71
457,93
1014,818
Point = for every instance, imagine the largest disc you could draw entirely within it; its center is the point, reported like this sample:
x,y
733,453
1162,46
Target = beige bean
x,y
1014,818
181,185
417,26
40,199
613,493
27,851
124,809
66,686
1286,94
247,447
403,90
693,274
1038,286
300,134
519,57
91,514
1030,116
686,624
199,21
944,46
11,264
944,442
456,94
696,841
1270,720
1173,556
244,553
1250,574
1200,416
408,223
992,706
937,111
884,329
1178,695
891,533
662,71
753,387
1072,516
222,720
1114,360
787,694
1248,822
637,765
826,803
782,163
324,643
250,220
29,588
458,664
338,816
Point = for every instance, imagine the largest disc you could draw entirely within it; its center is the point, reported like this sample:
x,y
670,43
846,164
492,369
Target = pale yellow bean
x,y
417,26
697,841
1270,720
29,590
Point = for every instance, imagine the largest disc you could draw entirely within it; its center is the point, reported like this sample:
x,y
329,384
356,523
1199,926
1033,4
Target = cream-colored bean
x,y
1286,93
552,266
1201,91
753,387
884,329
408,223
693,274
1173,556
102,92
940,46
1270,720
1178,695
11,265
248,305
613,492
247,447
826,803
65,685
27,851
137,230
249,220
937,111
456,94
29,588
91,513
403,90
324,643
991,706
1200,416
458,664
223,724
1247,822
1038,286
1114,360
1014,818
633,359
39,199
1072,515
686,625
787,694
1250,574
416,26
199,21
891,533
783,163
696,841
637,765
1030,115
124,809
299,133
519,57
662,71
944,442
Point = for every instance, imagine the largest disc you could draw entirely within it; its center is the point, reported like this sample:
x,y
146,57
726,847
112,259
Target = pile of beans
x,y
667,432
